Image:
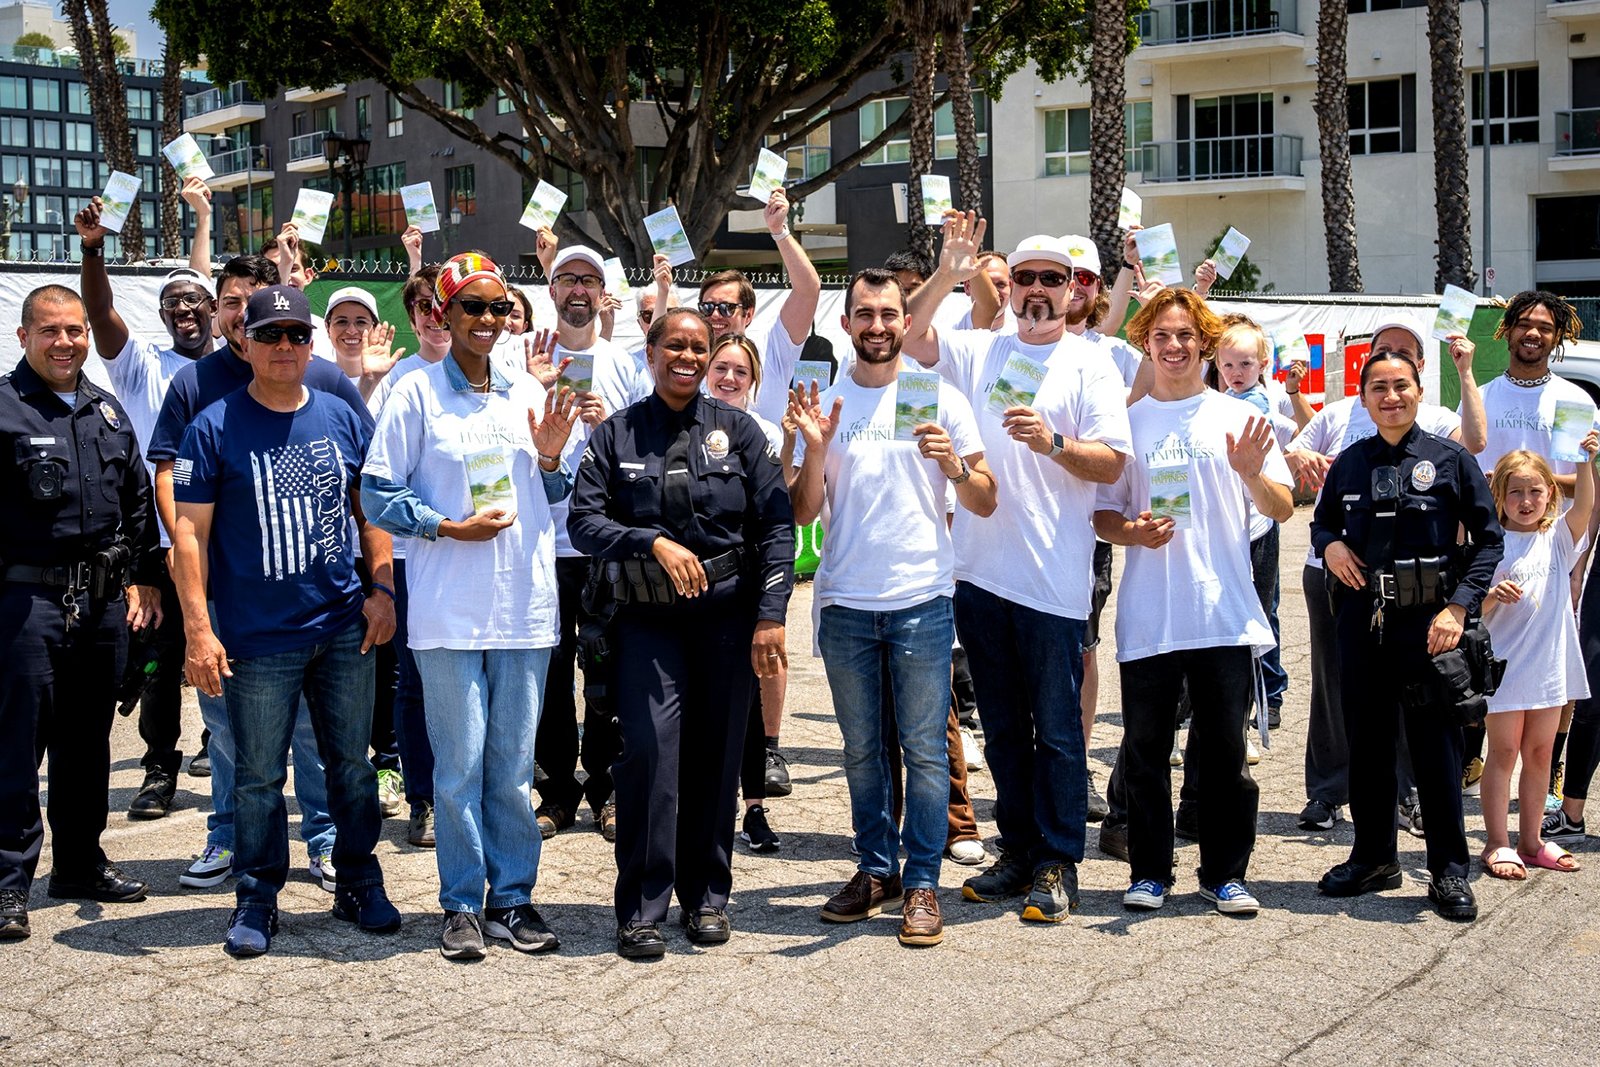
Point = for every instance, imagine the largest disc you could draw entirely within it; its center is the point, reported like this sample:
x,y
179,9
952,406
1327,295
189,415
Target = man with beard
x,y
1065,432
577,282
140,371
884,590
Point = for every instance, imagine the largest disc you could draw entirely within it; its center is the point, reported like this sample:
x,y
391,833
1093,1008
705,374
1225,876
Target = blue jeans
x,y
310,784
1027,669
263,698
483,713
410,728
913,646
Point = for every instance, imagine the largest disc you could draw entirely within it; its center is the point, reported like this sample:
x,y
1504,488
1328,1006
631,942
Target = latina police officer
x,y
79,526
1386,528
683,506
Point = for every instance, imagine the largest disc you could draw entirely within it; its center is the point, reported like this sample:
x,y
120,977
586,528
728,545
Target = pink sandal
x,y
1552,857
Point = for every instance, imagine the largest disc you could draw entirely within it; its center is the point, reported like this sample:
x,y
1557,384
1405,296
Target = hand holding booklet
x,y
1169,495
936,199
1017,385
1158,252
1455,313
1230,250
916,401
770,171
544,207
489,480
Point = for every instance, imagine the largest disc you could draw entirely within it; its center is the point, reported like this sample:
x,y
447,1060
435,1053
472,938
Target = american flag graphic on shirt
x,y
302,505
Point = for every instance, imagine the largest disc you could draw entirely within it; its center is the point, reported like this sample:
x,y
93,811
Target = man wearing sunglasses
x,y
265,491
1050,409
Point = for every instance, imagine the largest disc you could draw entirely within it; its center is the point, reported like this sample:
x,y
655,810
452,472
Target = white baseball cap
x,y
1409,325
187,275
567,255
354,294
1083,251
1040,246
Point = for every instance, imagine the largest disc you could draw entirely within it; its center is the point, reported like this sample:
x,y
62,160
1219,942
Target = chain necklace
x,y
1528,383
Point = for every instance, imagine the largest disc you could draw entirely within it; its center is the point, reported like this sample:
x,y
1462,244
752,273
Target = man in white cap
x,y
1051,411
1336,427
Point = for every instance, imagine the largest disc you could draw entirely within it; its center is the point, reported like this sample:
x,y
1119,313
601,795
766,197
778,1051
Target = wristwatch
x,y
1057,443
966,471
93,251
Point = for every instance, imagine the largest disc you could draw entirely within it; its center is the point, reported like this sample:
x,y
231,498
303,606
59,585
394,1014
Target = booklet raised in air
x,y
1017,385
616,278
1229,252
1455,313
936,199
1158,252
420,209
916,401
668,236
186,158
770,171
489,478
544,207
1571,425
311,210
579,374
1169,494
1130,212
121,193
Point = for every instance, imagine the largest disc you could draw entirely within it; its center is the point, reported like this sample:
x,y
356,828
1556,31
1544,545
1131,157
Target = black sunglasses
x,y
188,300
271,335
1050,279
709,308
476,306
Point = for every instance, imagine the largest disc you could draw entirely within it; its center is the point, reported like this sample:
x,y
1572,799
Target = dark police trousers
x,y
57,695
683,698
1372,674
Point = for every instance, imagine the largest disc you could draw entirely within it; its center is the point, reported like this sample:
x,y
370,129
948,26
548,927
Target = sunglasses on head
x,y
188,300
476,306
1084,276
271,335
1050,279
709,308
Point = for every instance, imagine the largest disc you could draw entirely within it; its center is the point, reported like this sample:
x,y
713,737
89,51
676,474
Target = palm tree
x,y
1333,126
1451,200
1108,171
925,41
108,103
171,128
953,16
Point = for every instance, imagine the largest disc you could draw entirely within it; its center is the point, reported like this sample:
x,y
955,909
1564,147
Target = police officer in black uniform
x,y
1403,589
683,507
79,527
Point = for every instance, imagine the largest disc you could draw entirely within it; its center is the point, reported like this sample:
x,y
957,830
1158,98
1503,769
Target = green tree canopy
x,y
35,39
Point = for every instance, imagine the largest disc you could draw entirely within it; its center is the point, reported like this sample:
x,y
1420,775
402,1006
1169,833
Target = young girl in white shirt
x,y
1529,615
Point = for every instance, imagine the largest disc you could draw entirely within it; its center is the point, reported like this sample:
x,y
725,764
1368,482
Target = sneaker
x,y
1053,895
1252,754
1410,815
1231,898
250,931
1472,778
1274,718
1320,815
210,868
1098,808
607,821
777,776
971,751
757,834
1008,876
368,907
1186,822
322,872
419,830
522,925
1144,895
968,853
462,937
1176,759
391,793
1114,840
552,818
1562,830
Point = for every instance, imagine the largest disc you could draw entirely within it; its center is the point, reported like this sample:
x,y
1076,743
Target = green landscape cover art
x,y
1169,494
1017,385
916,401
489,479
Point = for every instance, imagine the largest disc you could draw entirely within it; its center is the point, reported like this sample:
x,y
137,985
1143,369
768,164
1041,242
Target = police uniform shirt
x,y
736,496
1439,485
104,489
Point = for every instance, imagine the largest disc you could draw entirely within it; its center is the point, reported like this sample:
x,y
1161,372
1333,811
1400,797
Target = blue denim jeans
x,y
1027,670
483,714
912,646
310,784
263,700
410,728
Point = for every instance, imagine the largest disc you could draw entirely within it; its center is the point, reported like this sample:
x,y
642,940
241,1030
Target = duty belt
x,y
62,575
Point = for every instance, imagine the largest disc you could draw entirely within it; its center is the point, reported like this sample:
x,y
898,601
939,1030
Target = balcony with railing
x,y
305,153
307,95
1171,30
251,164
1577,144
1572,10
1262,162
219,108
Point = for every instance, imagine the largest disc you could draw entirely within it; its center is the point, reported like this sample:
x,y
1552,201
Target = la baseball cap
x,y
277,303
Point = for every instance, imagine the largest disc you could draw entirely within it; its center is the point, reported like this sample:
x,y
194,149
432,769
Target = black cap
x,y
277,303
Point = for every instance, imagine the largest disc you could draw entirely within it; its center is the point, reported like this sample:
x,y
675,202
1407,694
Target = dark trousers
x,y
57,695
1264,576
557,744
385,749
161,707
410,720
753,767
1371,673
1583,739
1220,682
683,698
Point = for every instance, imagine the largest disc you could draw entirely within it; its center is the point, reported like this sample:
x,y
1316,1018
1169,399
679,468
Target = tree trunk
x,y
1452,201
920,235
968,162
108,101
1333,129
171,128
1108,171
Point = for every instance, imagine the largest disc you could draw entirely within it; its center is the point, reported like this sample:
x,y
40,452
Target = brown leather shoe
x,y
862,897
920,922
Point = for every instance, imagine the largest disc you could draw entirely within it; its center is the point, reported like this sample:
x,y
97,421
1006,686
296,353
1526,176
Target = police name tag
x,y
1423,476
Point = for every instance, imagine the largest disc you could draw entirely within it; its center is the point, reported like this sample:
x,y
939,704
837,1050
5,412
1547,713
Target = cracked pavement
x,y
1377,979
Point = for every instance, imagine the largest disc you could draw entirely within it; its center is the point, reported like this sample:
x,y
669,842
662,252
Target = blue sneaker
x,y
1231,898
368,907
1144,895
250,931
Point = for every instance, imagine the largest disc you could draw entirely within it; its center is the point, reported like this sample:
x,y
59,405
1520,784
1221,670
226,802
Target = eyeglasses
x,y
1084,276
588,281
709,308
271,335
1050,279
188,300
476,306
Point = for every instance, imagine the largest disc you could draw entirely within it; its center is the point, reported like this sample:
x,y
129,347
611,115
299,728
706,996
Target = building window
x,y
46,133
502,103
14,93
1138,130
454,100
1066,137
377,203
147,213
461,190
80,174
568,182
144,142
12,168
46,94
1361,7
1383,116
80,137
78,99
325,119
46,209
364,117
13,131
878,115
396,114
810,158
1513,106
944,128
47,171
141,104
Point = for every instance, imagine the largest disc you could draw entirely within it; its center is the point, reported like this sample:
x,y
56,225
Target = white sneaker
x,y
322,871
210,868
391,793
967,853
971,751
1252,755
1176,759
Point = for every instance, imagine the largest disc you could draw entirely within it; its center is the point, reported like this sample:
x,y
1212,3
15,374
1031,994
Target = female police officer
x,y
682,503
1402,587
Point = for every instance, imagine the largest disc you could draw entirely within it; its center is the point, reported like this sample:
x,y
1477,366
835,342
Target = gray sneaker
x,y
462,937
1054,893
1009,876
419,831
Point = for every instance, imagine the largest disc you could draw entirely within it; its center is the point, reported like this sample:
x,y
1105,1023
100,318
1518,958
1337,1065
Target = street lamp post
x,y
1488,215
347,162
10,212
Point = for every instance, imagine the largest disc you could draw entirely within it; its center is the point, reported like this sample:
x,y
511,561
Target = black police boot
x,y
104,883
154,798
13,915
1352,879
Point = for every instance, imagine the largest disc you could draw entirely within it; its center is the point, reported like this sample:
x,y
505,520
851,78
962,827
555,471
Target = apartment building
x,y
1221,131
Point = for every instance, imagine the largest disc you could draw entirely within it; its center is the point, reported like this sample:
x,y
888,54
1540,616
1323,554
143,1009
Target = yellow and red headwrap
x,y
456,274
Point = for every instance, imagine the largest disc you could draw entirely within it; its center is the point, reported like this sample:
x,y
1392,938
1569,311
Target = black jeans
x,y
1583,739
161,707
556,745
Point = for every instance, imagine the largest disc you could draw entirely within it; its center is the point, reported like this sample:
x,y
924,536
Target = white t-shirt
x,y
640,383
1519,417
1124,355
404,366
888,547
613,382
1346,422
1537,636
139,376
779,355
1037,549
1196,590
470,595
773,431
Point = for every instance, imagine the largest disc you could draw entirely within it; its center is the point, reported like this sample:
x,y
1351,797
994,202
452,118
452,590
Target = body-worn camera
x,y
44,464
1385,485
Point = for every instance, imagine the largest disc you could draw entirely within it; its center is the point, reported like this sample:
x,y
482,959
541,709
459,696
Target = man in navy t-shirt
x,y
264,498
